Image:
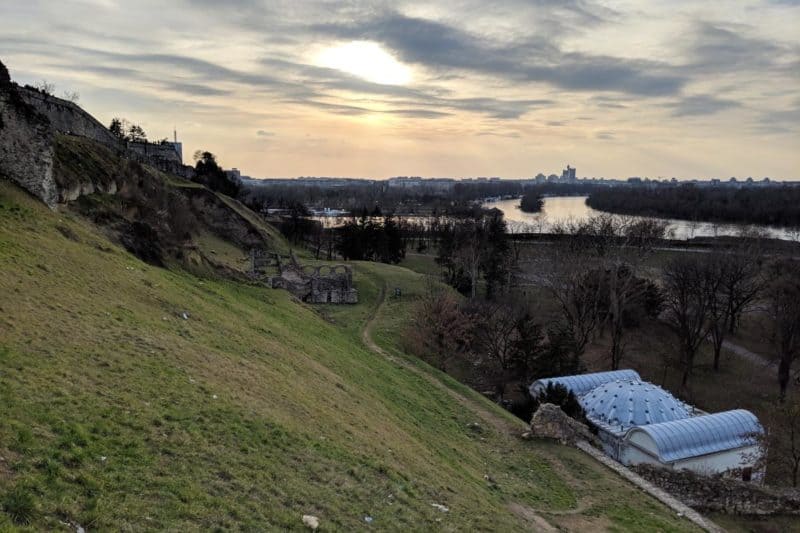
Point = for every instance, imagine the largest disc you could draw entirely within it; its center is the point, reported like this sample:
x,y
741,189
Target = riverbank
x,y
574,208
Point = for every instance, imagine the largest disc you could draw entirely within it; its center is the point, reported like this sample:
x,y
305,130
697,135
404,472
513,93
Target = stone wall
x,y
166,152
70,119
66,117
26,144
29,123
721,494
331,284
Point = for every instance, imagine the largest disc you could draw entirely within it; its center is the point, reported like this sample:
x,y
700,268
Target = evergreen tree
x,y
209,173
117,128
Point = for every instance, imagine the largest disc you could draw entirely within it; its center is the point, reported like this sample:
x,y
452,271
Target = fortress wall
x,y
26,146
29,123
69,118
66,117
165,152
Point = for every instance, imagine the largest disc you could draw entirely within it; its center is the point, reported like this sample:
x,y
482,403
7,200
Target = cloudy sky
x,y
452,88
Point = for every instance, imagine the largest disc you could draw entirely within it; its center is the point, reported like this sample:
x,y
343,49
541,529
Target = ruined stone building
x,y
312,284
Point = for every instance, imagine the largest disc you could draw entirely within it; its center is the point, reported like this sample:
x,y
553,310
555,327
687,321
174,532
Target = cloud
x,y
508,68
442,47
193,88
418,113
783,121
715,47
700,105
510,135
323,80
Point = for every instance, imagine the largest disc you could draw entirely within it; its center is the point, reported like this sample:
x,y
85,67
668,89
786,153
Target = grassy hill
x,y
120,414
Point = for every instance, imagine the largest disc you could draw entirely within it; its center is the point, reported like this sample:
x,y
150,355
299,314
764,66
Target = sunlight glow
x,y
366,60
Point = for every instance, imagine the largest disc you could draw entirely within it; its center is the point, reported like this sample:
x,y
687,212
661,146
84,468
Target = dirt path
x,y
744,353
532,517
500,424
534,520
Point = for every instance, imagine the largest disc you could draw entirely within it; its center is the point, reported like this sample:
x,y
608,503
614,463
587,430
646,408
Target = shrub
x,y
143,241
19,504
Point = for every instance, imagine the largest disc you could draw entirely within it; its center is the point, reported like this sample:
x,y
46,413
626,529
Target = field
x,y
140,398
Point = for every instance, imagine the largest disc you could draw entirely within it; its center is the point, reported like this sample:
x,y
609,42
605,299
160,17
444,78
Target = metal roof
x,y
702,435
583,383
620,404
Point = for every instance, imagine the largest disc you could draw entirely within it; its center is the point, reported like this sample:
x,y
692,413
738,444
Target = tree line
x,y
776,205
357,198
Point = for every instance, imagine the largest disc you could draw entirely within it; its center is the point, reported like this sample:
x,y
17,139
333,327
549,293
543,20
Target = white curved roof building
x,y
719,442
582,383
622,404
638,422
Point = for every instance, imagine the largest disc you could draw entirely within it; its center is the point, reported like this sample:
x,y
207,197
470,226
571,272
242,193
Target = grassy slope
x,y
119,414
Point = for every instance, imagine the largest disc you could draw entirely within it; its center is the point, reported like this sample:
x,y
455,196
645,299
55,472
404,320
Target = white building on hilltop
x,y
638,422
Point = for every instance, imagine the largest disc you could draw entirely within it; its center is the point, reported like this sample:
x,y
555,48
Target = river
x,y
561,208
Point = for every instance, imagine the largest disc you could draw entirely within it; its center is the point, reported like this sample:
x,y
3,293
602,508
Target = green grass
x,y
118,414
422,263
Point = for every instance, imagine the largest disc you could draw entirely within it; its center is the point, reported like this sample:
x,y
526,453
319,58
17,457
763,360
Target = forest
x,y
775,206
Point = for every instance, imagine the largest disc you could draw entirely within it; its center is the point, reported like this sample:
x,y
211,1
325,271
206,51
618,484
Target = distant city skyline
x,y
463,88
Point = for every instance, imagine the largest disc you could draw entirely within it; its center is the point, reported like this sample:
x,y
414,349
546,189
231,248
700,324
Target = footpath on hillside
x,y
499,423
510,427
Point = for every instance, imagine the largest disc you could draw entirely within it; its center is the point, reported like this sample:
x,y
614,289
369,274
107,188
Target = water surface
x,y
562,208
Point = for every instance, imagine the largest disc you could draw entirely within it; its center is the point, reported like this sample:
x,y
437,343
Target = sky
x,y
456,88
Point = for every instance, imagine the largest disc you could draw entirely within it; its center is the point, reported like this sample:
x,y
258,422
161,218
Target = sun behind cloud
x,y
367,60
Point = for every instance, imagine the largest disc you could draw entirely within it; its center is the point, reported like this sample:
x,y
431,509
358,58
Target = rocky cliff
x,y
26,143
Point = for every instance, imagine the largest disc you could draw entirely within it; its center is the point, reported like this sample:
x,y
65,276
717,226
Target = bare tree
x,y
72,96
441,330
563,272
469,255
783,439
513,260
635,241
740,283
45,87
611,250
496,340
783,304
718,306
689,284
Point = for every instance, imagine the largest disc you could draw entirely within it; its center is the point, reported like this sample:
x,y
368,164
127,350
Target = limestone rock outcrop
x,y
550,422
26,144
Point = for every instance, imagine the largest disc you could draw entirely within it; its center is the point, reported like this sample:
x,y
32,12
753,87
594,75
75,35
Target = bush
x,y
20,505
143,241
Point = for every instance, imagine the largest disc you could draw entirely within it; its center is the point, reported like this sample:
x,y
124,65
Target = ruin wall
x,y
712,493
